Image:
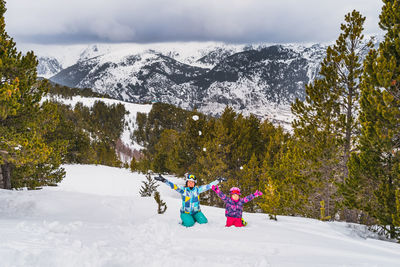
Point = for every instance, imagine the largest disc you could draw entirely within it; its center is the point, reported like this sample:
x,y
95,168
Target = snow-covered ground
x,y
96,217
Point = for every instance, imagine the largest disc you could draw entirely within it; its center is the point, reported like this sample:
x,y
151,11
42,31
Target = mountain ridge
x,y
251,79
259,79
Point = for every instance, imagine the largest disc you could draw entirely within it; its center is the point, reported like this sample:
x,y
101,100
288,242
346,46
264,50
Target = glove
x,y
221,179
160,178
215,188
258,193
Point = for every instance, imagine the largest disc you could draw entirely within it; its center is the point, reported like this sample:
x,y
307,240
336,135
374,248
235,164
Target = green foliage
x,y
48,172
73,130
28,157
90,134
133,165
214,159
271,200
162,116
165,158
323,216
148,133
148,187
162,206
249,178
9,96
68,92
396,216
326,122
375,167
107,122
288,183
191,142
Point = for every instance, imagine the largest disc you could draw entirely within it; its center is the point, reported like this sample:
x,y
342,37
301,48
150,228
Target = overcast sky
x,y
147,21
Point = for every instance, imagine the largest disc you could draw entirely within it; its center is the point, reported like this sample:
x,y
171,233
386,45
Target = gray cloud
x,y
238,21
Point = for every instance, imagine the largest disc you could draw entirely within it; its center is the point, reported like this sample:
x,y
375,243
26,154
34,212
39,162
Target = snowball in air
x,y
195,117
200,132
204,149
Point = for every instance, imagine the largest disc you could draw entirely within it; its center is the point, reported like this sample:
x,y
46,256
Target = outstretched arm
x,y
219,193
207,187
177,188
252,196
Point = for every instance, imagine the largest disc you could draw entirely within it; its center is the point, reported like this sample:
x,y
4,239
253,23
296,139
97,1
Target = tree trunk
x,y
6,176
1,178
392,231
348,133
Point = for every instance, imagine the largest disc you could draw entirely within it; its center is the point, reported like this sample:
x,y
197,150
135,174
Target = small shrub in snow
x,y
149,186
162,206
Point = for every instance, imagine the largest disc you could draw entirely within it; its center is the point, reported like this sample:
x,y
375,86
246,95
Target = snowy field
x,y
97,218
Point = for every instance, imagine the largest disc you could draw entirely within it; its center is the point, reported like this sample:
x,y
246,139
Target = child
x,y
190,210
234,205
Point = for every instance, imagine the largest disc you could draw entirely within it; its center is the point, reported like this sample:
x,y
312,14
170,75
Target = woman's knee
x,y
187,220
200,218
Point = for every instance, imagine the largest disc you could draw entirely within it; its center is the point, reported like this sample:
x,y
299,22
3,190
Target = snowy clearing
x,y
97,218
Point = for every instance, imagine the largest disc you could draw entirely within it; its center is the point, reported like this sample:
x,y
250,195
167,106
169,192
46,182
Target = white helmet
x,y
190,177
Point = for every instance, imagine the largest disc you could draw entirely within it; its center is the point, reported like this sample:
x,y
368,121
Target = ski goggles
x,y
191,177
235,190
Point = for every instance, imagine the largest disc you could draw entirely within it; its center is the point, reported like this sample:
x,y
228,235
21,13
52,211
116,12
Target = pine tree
x,y
190,142
326,121
213,160
9,95
288,182
32,175
133,165
148,187
73,130
396,216
348,57
249,180
284,175
271,200
247,141
162,206
24,120
165,151
375,169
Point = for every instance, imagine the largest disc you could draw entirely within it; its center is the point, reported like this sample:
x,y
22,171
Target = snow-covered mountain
x,y
262,79
204,54
48,66
96,217
246,80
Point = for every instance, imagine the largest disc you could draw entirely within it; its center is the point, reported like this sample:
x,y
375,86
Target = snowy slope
x,y
97,218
